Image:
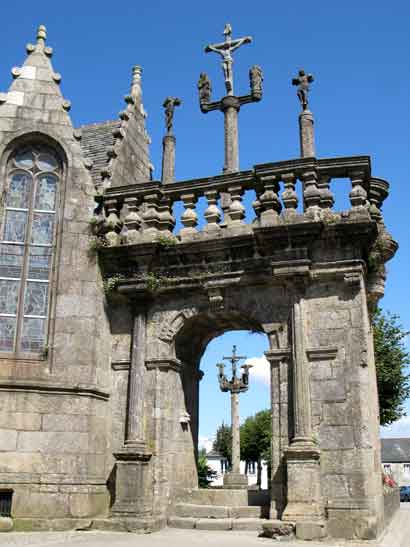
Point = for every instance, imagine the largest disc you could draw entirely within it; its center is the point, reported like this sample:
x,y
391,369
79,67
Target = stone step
x,y
210,496
217,511
252,524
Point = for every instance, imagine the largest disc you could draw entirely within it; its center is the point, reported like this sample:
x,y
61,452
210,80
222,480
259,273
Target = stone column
x,y
236,446
168,159
278,360
230,107
307,137
304,501
133,493
234,479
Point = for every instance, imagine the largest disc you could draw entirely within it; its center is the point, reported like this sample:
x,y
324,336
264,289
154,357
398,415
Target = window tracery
x,y
26,249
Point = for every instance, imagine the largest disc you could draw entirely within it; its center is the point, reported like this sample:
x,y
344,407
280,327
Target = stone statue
x,y
303,80
225,50
256,79
205,88
169,104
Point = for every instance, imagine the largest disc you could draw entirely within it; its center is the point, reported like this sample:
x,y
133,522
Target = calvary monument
x,y
106,309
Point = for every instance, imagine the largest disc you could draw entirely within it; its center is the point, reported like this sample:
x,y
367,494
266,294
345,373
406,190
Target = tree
x,y
256,433
391,359
205,473
223,442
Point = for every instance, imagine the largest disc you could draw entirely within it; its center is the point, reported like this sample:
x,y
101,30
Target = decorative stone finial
x,y
302,81
41,34
136,89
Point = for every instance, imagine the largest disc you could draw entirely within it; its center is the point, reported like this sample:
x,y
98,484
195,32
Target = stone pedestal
x,y
303,479
133,492
235,481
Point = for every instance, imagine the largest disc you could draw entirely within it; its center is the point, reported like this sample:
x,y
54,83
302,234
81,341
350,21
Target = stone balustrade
x,y
287,192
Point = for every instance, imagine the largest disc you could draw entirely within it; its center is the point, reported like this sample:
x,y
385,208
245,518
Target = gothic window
x,y
26,250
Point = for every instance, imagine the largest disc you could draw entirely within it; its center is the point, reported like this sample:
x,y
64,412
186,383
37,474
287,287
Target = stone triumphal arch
x,y
109,296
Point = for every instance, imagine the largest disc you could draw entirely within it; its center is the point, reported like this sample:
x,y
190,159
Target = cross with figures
x,y
230,104
237,384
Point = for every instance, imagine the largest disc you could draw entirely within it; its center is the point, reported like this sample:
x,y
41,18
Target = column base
x,y
303,471
235,481
133,491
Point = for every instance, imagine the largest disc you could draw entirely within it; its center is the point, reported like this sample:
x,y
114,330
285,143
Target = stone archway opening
x,y
202,342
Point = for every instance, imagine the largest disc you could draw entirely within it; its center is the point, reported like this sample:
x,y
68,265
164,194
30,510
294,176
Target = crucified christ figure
x,y
225,50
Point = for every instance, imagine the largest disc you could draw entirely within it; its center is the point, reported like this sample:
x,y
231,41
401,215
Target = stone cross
x,y
169,104
306,121
237,384
302,81
230,104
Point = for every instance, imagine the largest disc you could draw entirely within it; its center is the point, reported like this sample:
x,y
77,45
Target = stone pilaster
x,y
307,136
304,502
133,495
278,360
168,159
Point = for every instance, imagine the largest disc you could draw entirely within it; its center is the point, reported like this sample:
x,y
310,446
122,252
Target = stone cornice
x,y
164,364
81,390
322,354
275,356
120,365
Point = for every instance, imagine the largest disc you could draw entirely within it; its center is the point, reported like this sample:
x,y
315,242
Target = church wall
x,y
54,411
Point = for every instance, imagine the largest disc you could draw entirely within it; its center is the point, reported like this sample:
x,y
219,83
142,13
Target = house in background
x,y
396,459
220,464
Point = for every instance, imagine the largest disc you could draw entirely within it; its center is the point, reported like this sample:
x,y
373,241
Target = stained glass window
x,y
26,250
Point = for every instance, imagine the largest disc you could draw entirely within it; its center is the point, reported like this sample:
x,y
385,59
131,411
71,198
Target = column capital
x,y
276,356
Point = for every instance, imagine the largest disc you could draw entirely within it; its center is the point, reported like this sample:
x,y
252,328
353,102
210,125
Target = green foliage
x,y
154,282
111,283
166,241
256,433
95,244
205,473
223,442
391,359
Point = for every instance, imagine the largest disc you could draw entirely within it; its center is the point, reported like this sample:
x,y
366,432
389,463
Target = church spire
x,y
36,85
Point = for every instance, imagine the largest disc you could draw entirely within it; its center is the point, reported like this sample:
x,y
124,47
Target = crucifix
x,y
230,104
306,132
237,384
302,81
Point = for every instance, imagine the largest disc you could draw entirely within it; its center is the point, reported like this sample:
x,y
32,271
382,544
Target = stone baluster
x,y
112,223
189,217
212,213
378,192
326,196
269,200
311,194
358,194
166,218
289,196
257,206
132,221
236,211
151,216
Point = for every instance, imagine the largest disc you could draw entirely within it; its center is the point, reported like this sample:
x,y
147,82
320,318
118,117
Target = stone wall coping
x,y
81,390
123,364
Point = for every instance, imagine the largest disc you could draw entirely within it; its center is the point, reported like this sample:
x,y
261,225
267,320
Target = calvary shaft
x,y
230,107
236,447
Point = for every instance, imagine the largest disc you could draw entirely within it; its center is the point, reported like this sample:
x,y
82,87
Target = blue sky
x,y
357,51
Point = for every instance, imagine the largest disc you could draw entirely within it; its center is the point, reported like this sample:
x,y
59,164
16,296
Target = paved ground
x,y
397,536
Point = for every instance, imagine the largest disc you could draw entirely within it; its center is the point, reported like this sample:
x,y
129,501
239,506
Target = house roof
x,y
96,139
396,450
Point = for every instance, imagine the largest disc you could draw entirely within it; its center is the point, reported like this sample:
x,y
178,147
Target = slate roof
x,y
95,141
396,450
